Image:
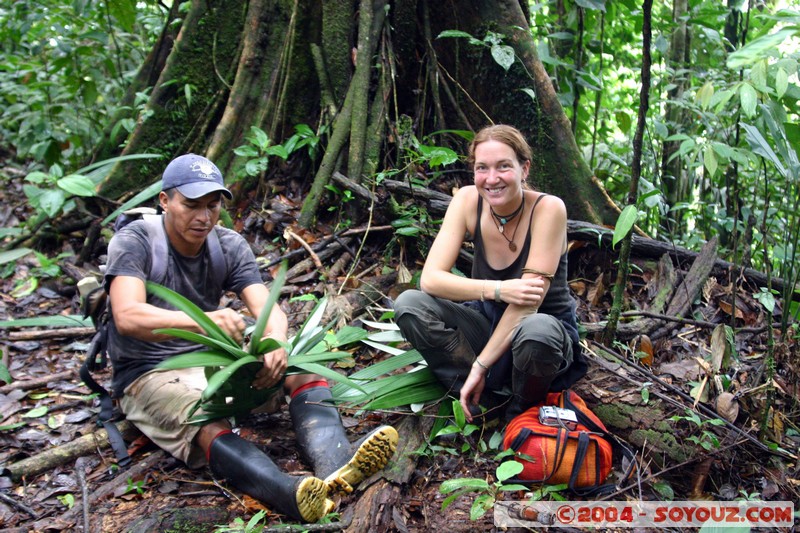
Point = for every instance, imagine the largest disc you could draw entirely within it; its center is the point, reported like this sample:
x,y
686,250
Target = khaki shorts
x,y
158,403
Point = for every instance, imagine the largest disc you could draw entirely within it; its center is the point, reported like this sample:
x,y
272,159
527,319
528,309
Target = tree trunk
x,y
488,93
675,180
191,89
267,63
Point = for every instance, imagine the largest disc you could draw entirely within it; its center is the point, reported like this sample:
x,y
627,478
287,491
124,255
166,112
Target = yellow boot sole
x,y
312,499
371,456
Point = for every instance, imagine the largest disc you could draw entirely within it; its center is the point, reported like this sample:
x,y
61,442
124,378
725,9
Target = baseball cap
x,y
194,176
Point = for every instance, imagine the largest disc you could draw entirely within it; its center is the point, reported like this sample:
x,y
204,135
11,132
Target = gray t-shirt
x,y
192,277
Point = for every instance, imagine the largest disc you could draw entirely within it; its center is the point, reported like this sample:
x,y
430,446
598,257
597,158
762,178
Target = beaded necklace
x,y
501,221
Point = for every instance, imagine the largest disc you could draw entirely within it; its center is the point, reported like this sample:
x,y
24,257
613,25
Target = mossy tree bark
x,y
676,180
268,63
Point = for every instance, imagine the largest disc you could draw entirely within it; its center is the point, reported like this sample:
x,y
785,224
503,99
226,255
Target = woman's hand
x,y
472,389
526,292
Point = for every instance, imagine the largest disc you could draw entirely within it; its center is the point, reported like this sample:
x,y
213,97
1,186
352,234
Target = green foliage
x,y
67,500
5,375
231,368
487,492
503,54
56,321
256,524
725,92
52,194
47,269
135,486
706,439
625,222
259,148
398,381
66,66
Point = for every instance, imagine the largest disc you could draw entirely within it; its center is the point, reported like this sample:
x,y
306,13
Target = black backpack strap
x,y
107,414
216,256
520,439
580,456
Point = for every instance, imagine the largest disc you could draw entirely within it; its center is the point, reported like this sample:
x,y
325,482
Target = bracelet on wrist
x,y
478,362
497,291
483,291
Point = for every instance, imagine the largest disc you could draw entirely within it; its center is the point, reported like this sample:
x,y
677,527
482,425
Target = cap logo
x,y
204,169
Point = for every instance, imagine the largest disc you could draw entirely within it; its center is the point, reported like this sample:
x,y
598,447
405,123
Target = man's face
x,y
188,221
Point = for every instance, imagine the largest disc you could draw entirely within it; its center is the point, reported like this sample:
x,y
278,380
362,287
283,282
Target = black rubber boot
x,y
528,391
250,470
323,442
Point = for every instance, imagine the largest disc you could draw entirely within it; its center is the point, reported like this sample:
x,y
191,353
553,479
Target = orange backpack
x,y
575,451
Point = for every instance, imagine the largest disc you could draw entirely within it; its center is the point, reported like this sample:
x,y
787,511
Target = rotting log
x,y
653,249
374,507
181,519
682,298
60,455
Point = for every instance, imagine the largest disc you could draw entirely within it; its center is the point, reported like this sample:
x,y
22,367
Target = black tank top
x,y
558,300
558,303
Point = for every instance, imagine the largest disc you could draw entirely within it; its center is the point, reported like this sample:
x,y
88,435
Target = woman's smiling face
x,y
499,174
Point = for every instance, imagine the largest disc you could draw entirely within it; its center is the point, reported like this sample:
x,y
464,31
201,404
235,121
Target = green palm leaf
x,y
222,375
314,368
197,338
264,345
382,387
256,346
197,359
424,392
316,357
310,333
195,313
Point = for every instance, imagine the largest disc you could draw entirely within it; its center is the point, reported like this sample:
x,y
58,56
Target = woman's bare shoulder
x,y
551,203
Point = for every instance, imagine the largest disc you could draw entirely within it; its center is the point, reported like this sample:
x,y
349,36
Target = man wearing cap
x,y
157,401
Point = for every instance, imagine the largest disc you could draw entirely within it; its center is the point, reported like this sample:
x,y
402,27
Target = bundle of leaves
x,y
230,368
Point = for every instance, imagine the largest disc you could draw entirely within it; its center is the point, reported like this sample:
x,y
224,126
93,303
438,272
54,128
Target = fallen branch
x,y
652,249
309,264
680,304
18,505
56,333
321,245
292,235
80,467
60,455
35,383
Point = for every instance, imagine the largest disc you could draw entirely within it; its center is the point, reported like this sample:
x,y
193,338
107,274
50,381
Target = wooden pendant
x,y
512,246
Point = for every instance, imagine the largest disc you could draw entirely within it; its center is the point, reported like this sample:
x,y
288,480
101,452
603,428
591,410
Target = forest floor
x,y
156,493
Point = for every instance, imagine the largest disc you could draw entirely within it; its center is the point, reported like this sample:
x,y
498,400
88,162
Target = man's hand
x,y
275,363
230,321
